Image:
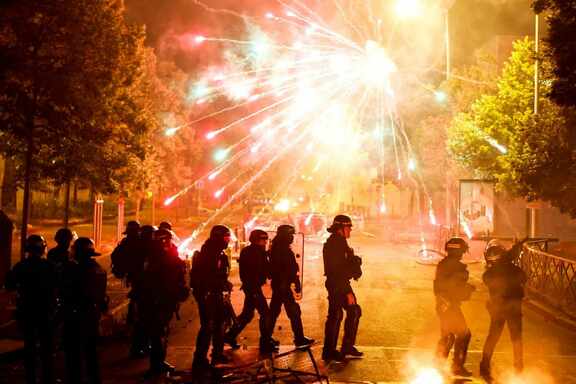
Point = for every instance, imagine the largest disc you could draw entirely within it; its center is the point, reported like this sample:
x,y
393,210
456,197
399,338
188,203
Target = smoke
x,y
171,26
474,23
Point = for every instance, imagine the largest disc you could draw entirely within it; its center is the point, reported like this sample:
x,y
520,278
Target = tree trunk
x,y
56,193
26,198
67,205
138,206
75,195
9,186
92,194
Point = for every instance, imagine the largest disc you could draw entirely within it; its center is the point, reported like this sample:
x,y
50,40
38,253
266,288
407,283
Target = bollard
x,y
120,222
97,223
6,229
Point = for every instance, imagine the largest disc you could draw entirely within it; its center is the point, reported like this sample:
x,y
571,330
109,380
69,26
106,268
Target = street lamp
x,y
408,9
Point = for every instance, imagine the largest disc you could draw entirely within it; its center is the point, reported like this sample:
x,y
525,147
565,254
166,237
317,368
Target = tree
x,y
72,89
561,47
501,138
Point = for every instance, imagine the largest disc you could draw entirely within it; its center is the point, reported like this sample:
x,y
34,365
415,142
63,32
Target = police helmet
x,y
163,234
339,222
35,244
219,232
65,236
84,248
147,232
257,235
456,244
132,227
165,225
494,252
285,230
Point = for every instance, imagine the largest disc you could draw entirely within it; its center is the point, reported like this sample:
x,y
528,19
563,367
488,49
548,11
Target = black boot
x,y
231,341
303,342
268,346
352,352
332,356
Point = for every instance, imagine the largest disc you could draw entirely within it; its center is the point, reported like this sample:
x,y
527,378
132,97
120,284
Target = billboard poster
x,y
476,207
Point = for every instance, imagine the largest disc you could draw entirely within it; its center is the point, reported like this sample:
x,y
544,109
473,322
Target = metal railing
x,y
551,279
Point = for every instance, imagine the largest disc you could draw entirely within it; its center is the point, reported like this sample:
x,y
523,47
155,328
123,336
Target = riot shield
x,y
298,249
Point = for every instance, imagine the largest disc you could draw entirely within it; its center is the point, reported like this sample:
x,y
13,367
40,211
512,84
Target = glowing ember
x,y
283,205
170,200
428,376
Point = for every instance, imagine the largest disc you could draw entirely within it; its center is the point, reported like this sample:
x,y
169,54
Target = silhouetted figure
x,y
163,287
209,282
128,263
60,254
168,225
284,272
451,289
340,266
254,271
84,301
35,281
150,248
505,282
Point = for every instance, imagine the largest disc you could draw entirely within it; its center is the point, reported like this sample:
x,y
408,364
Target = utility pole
x,y
532,209
448,70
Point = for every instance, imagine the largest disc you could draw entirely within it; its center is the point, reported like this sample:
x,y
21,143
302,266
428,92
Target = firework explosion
x,y
313,94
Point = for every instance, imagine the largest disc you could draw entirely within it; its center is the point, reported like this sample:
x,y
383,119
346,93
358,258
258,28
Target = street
x,y
398,328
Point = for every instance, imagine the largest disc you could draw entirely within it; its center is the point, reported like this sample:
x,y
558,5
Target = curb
x,y
551,314
114,322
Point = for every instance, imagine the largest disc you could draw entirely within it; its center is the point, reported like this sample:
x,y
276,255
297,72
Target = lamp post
x,y
532,208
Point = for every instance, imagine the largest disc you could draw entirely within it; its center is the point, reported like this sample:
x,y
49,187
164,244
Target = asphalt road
x,y
398,328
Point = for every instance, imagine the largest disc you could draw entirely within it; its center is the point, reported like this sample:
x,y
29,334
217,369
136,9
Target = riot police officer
x,y
127,258
150,248
162,289
505,282
284,272
168,225
34,279
254,272
128,263
340,266
84,300
60,254
451,289
209,281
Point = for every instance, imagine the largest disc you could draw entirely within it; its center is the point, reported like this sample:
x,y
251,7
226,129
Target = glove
x,y
298,286
356,270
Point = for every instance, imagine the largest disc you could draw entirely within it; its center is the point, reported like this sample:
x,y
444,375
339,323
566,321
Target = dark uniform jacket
x,y
283,266
210,269
35,280
84,288
58,255
451,282
128,259
505,282
254,267
164,283
340,264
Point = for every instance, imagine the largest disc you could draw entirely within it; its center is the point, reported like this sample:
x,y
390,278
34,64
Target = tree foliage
x,y
500,137
561,50
75,87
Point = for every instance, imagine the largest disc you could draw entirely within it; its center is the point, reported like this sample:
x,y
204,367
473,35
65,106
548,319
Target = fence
x,y
551,279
